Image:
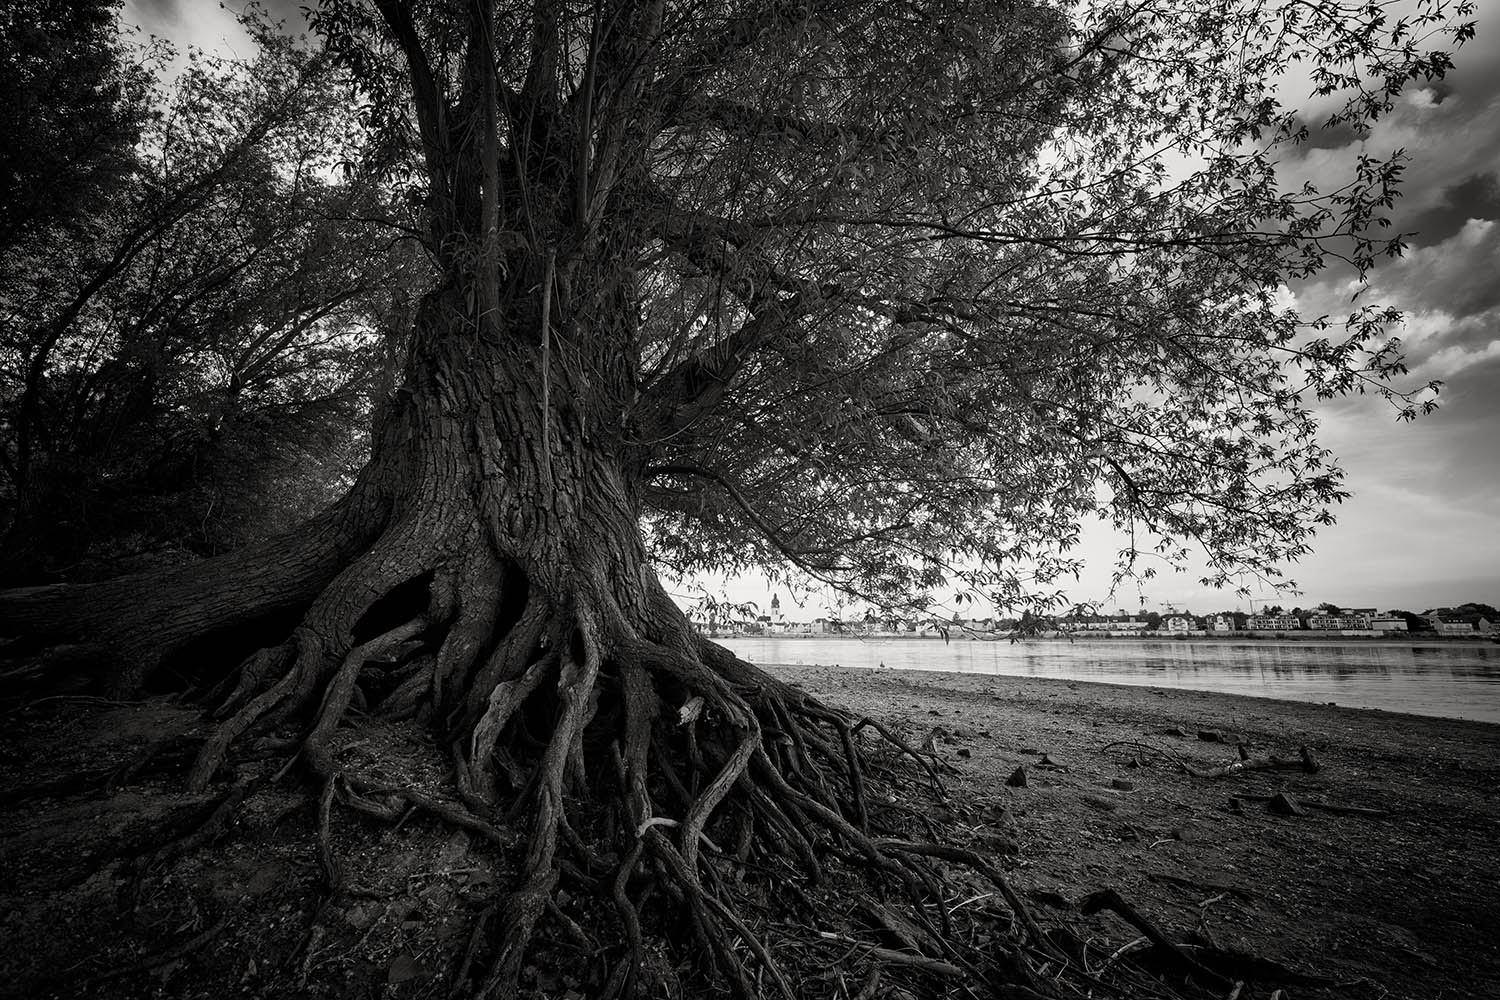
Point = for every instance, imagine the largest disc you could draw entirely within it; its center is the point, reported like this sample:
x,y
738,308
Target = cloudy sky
x,y
1423,527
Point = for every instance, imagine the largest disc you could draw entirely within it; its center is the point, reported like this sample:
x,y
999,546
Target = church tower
x,y
776,609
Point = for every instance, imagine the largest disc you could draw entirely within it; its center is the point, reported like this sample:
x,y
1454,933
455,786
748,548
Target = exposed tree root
x,y
604,752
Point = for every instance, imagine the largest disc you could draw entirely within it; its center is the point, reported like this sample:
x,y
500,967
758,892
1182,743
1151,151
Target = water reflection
x,y
1459,680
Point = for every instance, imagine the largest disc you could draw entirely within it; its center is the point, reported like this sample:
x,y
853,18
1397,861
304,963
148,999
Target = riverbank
x,y
1397,639
1391,897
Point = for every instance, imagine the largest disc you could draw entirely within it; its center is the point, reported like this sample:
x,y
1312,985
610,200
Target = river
x,y
1447,680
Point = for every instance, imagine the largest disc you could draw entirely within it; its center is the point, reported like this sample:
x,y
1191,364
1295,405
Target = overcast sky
x,y
1423,527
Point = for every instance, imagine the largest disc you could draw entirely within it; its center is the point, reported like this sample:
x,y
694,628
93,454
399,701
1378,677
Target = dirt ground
x,y
1394,894
1403,904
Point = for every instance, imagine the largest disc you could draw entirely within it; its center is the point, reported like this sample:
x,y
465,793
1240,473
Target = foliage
x,y
76,105
913,290
191,362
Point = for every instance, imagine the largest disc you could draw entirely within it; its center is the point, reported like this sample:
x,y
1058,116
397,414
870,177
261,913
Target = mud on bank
x,y
1392,895
1401,904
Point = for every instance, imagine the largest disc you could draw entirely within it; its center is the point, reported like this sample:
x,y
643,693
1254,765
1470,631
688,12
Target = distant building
x,y
1273,623
1107,624
1354,620
1459,624
1388,622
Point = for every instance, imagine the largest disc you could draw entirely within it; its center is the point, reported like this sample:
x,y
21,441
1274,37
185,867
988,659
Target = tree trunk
x,y
492,551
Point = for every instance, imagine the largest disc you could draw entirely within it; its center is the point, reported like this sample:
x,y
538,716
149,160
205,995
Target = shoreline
x,y
813,675
1413,641
1382,894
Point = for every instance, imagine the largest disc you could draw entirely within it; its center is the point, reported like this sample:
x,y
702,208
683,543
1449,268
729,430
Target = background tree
x,y
76,106
1414,621
189,362
893,294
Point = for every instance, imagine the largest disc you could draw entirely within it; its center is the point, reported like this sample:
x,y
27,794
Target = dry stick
x,y
937,783
447,811
1109,899
711,934
841,828
973,860
761,952
935,965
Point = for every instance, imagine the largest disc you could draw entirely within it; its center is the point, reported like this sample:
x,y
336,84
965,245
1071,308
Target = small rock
x,y
1101,802
1173,731
402,970
1121,785
964,753
1285,805
997,843
1210,736
1017,778
1185,834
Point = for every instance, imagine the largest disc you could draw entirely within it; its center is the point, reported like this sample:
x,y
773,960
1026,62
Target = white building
x,y
1273,623
1353,620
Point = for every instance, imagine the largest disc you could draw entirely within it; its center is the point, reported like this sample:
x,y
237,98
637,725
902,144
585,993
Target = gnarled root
x,y
680,796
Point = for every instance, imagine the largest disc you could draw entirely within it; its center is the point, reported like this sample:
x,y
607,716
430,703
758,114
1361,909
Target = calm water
x,y
1451,680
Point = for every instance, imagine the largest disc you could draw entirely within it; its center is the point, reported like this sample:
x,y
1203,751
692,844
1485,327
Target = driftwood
x,y
894,957
1109,899
1328,807
1304,762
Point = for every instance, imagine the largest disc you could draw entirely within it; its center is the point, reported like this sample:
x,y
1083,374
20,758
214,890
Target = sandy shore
x,y
1398,895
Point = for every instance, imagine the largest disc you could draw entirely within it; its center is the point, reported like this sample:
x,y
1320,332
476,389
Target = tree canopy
x,y
906,291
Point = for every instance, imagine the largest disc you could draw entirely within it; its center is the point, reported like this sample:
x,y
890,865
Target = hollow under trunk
x,y
487,577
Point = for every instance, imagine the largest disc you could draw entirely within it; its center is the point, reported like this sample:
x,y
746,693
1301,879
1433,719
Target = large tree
x,y
891,293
